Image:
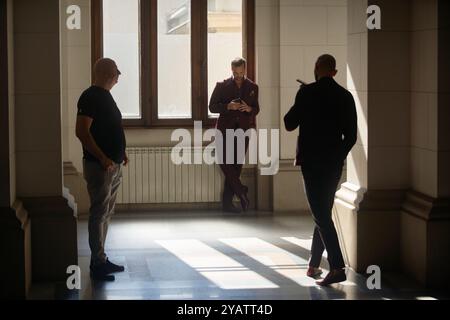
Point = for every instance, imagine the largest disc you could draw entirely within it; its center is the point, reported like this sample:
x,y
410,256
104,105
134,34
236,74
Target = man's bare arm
x,y
84,135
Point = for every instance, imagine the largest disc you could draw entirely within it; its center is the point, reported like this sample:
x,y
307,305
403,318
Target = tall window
x,y
174,59
121,42
224,39
171,54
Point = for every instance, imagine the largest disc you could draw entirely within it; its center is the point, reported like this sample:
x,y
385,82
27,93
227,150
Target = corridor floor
x,y
205,256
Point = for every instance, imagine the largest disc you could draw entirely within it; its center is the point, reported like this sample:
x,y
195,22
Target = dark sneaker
x,y
100,273
113,268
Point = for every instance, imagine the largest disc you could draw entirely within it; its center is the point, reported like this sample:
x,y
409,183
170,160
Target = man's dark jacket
x,y
326,116
227,91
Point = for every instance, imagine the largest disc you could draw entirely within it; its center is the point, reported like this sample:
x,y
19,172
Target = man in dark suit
x,y
326,115
236,99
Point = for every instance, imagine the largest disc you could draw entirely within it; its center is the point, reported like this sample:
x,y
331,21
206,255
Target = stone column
x,y
393,211
426,212
15,249
39,163
367,208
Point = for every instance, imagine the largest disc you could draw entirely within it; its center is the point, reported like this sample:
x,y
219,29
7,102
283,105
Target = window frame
x,y
199,60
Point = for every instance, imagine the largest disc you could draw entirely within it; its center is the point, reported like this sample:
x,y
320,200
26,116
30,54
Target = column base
x,y
425,239
54,237
15,252
368,224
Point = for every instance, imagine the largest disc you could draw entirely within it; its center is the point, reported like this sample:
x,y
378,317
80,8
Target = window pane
x,y
174,59
121,42
224,39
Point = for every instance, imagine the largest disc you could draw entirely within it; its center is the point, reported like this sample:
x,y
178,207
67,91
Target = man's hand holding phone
x,y
234,105
245,107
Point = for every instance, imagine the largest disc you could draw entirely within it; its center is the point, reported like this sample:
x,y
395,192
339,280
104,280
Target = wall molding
x,y
287,165
362,200
425,207
350,195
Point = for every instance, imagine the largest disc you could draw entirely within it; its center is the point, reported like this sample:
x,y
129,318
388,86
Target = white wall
x,y
308,29
75,76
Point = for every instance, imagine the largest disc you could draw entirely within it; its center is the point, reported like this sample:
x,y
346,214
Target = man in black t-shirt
x,y
99,128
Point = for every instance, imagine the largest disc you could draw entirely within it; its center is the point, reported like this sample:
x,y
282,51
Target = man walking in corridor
x,y
326,115
99,128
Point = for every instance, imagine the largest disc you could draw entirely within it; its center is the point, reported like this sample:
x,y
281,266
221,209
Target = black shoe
x,y
100,273
334,276
245,202
113,268
231,209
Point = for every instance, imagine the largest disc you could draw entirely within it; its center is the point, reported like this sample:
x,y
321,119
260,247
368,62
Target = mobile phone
x,y
238,100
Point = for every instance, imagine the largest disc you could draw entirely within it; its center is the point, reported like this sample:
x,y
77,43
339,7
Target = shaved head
x,y
106,73
325,66
326,62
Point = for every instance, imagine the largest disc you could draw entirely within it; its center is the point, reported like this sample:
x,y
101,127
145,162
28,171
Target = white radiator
x,y
152,178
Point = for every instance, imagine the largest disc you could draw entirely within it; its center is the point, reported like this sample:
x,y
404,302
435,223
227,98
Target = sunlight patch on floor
x,y
222,270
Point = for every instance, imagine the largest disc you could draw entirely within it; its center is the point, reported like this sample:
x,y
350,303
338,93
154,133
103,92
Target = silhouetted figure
x,y
99,128
326,116
236,99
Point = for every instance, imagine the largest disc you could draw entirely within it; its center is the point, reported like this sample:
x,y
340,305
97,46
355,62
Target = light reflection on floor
x,y
215,257
217,267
